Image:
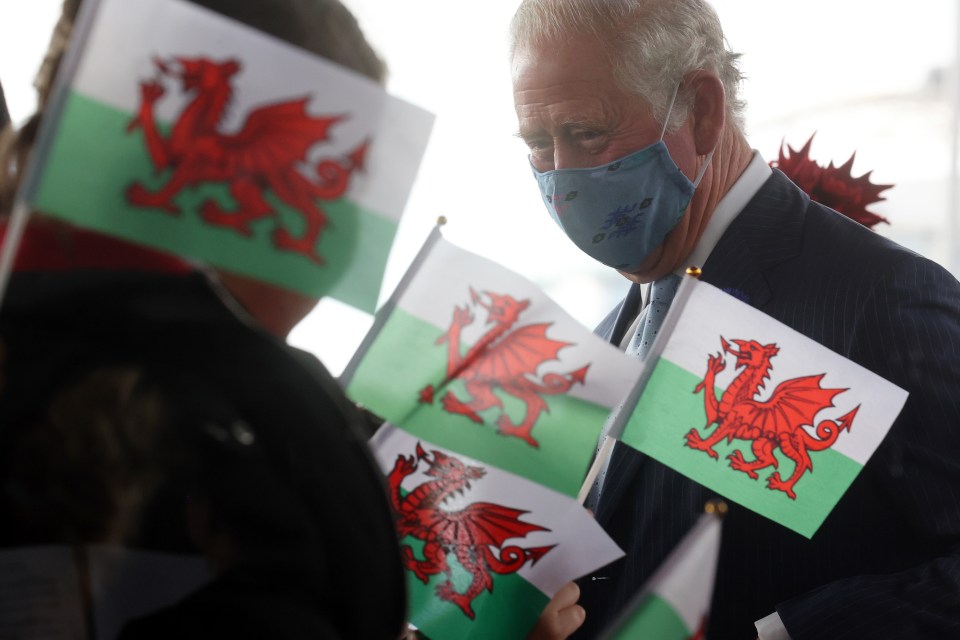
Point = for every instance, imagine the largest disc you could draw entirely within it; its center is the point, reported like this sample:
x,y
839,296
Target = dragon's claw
x,y
413,564
716,364
283,239
405,465
446,591
776,483
462,316
452,404
151,91
139,196
507,428
214,214
694,441
738,462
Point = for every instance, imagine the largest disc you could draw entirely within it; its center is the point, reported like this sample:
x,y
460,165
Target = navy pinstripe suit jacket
x,y
886,562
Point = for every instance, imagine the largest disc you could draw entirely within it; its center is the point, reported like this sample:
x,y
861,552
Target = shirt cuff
x,y
771,628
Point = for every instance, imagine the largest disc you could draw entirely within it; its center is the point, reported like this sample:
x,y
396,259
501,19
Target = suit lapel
x,y
767,232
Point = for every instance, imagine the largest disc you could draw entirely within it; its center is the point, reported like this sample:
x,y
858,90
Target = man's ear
x,y
709,109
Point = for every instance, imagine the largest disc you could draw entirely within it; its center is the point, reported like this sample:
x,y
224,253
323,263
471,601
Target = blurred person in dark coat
x,y
149,402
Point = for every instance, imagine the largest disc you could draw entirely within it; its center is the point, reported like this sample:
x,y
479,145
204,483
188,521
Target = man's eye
x,y
541,154
539,146
588,137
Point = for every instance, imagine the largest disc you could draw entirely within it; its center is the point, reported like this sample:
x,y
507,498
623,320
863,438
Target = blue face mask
x,y
618,213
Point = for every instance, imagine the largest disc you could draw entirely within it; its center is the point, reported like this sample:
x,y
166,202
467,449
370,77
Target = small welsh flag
x,y
178,128
675,602
484,549
754,410
473,357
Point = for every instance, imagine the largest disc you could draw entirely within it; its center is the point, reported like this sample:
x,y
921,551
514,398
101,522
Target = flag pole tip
x,y
441,220
716,507
694,271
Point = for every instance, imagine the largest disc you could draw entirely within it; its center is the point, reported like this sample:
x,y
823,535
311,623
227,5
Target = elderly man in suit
x,y
636,101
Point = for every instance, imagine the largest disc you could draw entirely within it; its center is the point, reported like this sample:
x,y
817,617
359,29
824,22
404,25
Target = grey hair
x,y
652,45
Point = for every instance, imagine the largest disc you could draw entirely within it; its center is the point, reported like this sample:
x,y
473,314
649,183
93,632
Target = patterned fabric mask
x,y
619,212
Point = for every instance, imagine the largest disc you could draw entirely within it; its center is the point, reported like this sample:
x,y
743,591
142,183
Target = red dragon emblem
x,y
263,155
770,424
504,357
474,535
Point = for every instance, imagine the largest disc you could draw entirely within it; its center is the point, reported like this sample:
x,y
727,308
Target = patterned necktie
x,y
651,318
661,295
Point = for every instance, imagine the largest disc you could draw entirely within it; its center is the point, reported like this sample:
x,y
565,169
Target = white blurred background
x,y
874,77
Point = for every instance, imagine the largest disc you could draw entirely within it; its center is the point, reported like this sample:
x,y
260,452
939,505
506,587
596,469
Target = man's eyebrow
x,y
566,126
580,123
528,135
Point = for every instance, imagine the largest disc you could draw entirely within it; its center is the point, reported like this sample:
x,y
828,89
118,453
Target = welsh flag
x,y
756,411
675,602
175,127
475,358
484,549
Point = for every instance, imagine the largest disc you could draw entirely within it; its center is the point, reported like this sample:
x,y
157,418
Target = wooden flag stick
x,y
598,463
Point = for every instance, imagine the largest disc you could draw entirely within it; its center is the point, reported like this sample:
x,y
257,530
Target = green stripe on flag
x,y
93,160
509,611
668,409
405,358
654,619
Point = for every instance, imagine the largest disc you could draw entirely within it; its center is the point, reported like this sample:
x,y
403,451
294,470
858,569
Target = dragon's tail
x,y
558,383
828,431
513,557
333,176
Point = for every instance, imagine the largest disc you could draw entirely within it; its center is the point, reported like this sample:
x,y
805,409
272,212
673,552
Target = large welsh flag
x,y
475,358
756,411
178,128
674,604
484,549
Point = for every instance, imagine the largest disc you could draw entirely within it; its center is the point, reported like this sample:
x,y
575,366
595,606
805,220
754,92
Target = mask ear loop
x,y
663,131
666,119
703,169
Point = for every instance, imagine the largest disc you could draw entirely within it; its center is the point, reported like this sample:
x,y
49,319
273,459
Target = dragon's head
x,y
449,468
199,74
752,354
502,310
